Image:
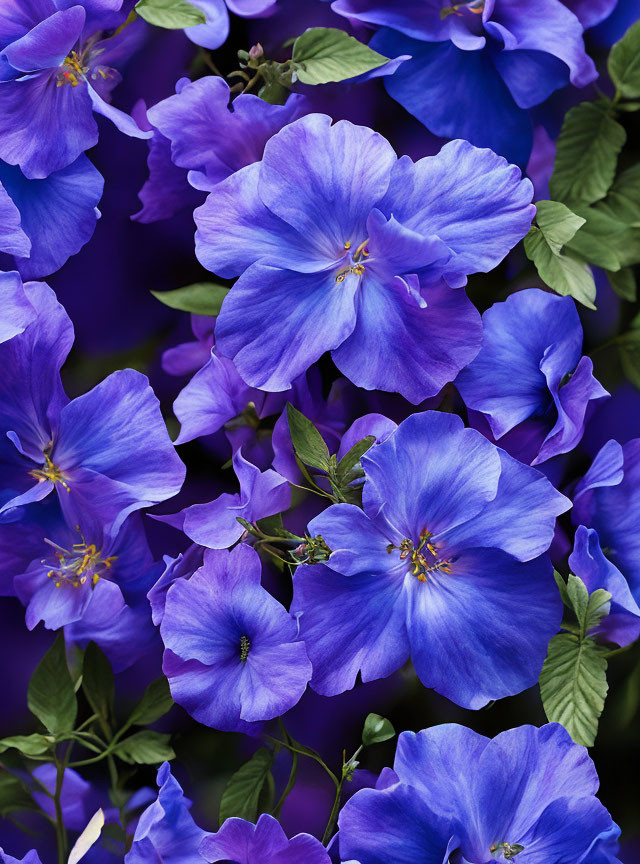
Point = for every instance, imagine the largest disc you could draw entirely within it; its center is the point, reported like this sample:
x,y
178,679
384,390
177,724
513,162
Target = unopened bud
x,y
256,52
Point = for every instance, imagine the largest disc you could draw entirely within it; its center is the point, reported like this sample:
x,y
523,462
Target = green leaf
x,y
154,704
145,748
241,796
562,588
171,14
623,283
376,729
51,696
97,681
605,240
629,353
586,155
324,54
573,685
560,269
307,441
578,595
353,456
595,609
201,298
623,201
624,63
28,745
14,794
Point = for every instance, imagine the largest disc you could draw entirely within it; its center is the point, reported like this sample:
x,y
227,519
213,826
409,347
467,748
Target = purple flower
x,y
67,563
527,794
166,830
188,357
56,72
233,656
591,12
107,451
530,366
212,136
215,31
342,247
263,843
608,500
215,525
445,564
477,67
44,222
621,624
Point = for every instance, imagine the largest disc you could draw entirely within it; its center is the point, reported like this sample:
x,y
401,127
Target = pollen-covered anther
x,y
50,472
76,566
245,647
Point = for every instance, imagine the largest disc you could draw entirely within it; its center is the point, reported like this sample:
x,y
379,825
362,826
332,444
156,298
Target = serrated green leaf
x,y
201,298
624,63
586,155
558,267
241,796
14,794
170,14
307,441
51,696
629,353
145,748
573,685
28,745
323,54
353,456
155,703
623,283
376,730
97,681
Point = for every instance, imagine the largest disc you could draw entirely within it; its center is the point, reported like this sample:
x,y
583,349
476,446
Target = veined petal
x,y
275,323
58,214
43,127
48,43
13,240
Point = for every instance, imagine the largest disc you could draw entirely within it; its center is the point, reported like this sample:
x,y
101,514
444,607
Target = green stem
x,y
617,651
61,831
291,782
302,752
333,818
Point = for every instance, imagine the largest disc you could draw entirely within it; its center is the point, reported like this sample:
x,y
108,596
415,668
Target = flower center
x,y
357,263
509,850
424,559
476,7
245,647
50,472
71,568
72,70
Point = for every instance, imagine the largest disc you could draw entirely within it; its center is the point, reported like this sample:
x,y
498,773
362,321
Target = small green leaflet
x,y
376,729
624,64
573,685
243,793
323,54
352,457
154,704
559,268
170,14
307,441
28,745
51,695
98,682
145,748
586,155
201,298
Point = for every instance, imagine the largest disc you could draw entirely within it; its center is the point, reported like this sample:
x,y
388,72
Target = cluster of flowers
x,y
437,547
